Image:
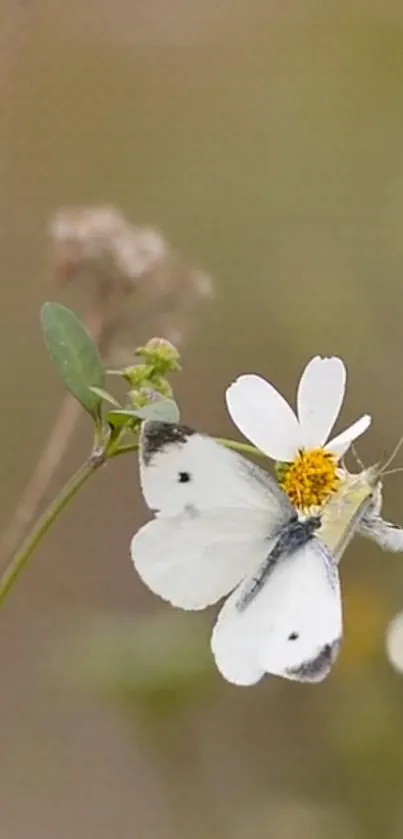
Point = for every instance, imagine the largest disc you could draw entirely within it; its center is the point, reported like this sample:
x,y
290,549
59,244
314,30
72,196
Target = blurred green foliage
x,y
154,666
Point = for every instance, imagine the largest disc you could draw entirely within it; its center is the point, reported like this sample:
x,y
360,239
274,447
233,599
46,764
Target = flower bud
x,y
140,397
160,354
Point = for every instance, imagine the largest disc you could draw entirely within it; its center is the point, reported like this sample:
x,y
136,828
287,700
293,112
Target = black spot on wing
x,y
184,477
317,668
157,436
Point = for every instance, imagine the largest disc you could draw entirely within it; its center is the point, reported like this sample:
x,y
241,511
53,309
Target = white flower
x,y
394,642
263,416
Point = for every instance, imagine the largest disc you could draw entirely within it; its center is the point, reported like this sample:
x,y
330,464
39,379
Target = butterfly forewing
x,y
181,469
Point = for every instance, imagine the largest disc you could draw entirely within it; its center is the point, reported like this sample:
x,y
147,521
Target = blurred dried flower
x,y
108,255
100,238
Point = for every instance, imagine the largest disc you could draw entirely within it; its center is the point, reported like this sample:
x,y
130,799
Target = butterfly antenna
x,y
357,457
392,456
393,471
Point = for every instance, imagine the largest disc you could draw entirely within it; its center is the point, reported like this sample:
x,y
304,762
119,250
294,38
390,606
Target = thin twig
x,y
54,450
44,523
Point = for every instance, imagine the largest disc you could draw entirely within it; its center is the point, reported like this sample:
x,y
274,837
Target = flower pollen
x,y
311,478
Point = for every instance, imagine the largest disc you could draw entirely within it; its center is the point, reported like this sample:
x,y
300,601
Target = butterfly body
x,y
294,536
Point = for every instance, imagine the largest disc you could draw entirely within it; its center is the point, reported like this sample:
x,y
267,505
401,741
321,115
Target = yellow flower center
x,y
310,479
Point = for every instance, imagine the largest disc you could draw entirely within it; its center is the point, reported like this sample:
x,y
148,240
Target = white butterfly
x,y
224,527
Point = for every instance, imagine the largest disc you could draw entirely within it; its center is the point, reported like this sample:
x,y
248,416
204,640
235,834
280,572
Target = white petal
x,y
394,642
320,396
342,442
264,417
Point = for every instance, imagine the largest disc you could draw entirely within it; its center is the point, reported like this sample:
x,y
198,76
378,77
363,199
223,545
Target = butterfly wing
x,y
194,559
216,513
180,468
292,628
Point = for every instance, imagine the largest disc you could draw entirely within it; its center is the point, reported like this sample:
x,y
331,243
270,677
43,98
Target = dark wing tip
x,y
319,667
156,436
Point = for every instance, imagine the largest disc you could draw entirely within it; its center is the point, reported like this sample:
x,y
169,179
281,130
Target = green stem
x,y
245,448
239,447
44,523
22,556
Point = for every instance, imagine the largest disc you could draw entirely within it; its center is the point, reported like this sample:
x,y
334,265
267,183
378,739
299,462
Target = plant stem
x,y
239,447
22,556
229,444
44,523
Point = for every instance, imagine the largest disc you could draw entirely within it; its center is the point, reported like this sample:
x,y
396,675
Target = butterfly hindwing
x,y
194,559
293,628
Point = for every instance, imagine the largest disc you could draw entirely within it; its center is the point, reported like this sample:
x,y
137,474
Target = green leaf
x,y
120,418
162,410
74,355
105,396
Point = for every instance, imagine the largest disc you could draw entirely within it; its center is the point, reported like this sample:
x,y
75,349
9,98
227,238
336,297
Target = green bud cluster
x,y
148,380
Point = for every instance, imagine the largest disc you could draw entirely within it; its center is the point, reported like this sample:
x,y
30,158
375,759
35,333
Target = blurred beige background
x,y
265,141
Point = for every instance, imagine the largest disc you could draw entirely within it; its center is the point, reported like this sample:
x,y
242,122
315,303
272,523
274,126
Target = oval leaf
x,y
120,418
162,410
105,396
74,355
